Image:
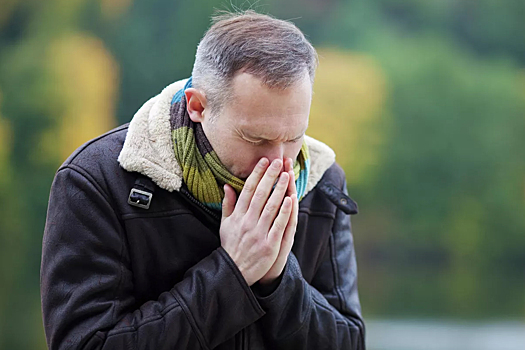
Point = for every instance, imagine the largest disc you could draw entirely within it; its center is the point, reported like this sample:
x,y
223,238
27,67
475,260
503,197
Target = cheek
x,y
249,160
242,159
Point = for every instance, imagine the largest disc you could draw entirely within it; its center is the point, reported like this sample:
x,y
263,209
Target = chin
x,y
242,175
241,172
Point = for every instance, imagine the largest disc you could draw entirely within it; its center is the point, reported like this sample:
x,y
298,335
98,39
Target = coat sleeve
x,y
87,284
325,314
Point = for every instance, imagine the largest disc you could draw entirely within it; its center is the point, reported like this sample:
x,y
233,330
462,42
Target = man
x,y
211,221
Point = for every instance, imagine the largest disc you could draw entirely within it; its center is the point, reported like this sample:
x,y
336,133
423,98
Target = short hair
x,y
273,50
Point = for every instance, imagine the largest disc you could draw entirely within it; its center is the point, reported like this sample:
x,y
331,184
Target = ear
x,y
196,103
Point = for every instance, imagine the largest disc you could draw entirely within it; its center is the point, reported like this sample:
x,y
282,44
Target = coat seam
x,y
310,300
80,170
335,268
317,213
191,321
146,321
339,292
321,305
160,214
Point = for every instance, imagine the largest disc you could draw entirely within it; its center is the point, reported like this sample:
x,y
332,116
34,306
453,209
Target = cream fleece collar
x,y
148,148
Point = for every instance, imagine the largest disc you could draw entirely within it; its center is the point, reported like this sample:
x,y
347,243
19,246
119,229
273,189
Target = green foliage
x,y
155,44
455,165
450,194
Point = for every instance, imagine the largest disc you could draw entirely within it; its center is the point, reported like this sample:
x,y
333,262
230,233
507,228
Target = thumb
x,y
228,203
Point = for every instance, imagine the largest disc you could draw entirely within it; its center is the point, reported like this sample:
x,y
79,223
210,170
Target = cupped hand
x,y
256,230
289,233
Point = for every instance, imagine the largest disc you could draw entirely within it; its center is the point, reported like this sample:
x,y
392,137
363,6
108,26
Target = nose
x,y
275,152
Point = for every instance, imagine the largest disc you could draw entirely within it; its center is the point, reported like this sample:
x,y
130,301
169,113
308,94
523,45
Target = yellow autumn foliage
x,y
349,93
85,83
5,147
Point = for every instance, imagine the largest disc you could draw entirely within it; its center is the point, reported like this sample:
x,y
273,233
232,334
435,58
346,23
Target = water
x,y
444,335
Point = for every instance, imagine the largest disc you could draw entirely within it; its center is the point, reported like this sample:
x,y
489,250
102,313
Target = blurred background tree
x,y
424,102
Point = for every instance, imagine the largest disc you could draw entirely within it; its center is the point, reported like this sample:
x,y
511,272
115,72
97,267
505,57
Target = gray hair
x,y
273,50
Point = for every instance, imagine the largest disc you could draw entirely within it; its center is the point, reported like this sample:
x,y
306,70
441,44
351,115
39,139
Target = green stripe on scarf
x,y
202,171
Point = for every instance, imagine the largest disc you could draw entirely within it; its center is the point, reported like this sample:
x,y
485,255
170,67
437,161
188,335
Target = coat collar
x,y
148,148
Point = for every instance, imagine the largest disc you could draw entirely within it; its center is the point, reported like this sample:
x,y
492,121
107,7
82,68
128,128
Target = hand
x,y
289,234
252,230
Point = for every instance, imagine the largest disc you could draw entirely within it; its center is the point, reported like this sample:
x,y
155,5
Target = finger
x,y
291,184
288,165
228,203
285,165
274,203
251,185
289,169
279,225
291,227
288,236
291,187
260,197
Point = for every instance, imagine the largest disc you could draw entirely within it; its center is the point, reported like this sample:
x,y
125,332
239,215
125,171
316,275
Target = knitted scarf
x,y
202,171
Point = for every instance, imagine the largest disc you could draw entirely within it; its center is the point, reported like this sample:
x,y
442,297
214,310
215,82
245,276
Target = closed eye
x,y
254,142
259,142
294,141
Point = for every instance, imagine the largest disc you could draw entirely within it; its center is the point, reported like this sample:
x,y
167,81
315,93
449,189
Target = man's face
x,y
259,122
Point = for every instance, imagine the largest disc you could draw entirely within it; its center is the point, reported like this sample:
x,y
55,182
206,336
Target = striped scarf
x,y
202,171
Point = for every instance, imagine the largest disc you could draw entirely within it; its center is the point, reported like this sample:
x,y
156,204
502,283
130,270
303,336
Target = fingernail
x,y
263,162
282,179
276,164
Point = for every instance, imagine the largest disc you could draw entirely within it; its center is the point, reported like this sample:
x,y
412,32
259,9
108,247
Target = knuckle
x,y
257,171
246,225
274,173
259,195
270,208
288,240
267,250
280,189
279,225
250,240
248,187
286,210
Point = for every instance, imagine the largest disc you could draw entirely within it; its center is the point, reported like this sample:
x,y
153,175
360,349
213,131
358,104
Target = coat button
x,y
343,201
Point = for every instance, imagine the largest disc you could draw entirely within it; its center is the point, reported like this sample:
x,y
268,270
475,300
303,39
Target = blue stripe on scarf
x,y
302,180
179,94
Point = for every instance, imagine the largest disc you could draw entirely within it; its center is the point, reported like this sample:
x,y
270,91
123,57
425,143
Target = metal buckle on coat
x,y
139,198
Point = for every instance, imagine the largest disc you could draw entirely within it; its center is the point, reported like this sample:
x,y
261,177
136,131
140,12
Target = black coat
x,y
116,276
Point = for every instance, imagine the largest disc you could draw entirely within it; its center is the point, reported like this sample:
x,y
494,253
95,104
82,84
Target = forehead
x,y
266,112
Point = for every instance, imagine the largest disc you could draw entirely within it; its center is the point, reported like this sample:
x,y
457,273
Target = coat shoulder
x,y
97,162
100,151
336,175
